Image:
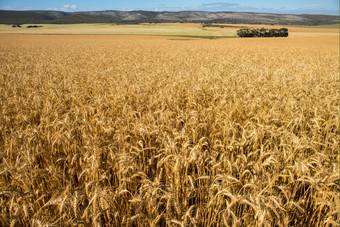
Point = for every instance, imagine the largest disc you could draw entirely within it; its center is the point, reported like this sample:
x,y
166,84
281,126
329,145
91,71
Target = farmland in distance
x,y
193,30
166,131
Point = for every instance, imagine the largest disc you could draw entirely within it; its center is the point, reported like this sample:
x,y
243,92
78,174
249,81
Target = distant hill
x,y
112,16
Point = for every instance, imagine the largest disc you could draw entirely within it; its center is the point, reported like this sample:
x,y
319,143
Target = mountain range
x,y
113,16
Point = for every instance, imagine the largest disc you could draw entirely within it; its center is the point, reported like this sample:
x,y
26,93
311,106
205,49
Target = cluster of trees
x,y
29,26
34,26
262,32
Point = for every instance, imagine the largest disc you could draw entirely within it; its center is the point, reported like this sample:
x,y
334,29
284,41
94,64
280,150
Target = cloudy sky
x,y
268,6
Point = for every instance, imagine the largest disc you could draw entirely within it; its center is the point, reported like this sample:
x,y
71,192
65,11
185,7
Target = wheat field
x,y
162,131
168,29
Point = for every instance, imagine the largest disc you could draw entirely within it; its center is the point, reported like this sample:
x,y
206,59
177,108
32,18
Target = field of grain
x,y
168,29
162,29
157,131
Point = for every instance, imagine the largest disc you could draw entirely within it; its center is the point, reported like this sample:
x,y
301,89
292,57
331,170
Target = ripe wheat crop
x,y
149,131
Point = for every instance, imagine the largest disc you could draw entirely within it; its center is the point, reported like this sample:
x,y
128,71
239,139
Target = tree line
x,y
262,32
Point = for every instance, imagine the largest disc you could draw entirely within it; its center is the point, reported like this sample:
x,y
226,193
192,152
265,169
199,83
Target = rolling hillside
x,y
58,17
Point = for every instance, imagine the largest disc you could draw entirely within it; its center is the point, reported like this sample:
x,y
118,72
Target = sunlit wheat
x,y
149,131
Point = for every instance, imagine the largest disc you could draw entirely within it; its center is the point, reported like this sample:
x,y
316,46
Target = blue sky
x,y
266,6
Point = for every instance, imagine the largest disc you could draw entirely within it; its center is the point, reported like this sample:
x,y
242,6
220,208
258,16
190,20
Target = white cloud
x,y
69,7
219,4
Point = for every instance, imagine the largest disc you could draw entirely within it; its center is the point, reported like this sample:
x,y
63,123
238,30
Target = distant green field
x,y
139,29
330,26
